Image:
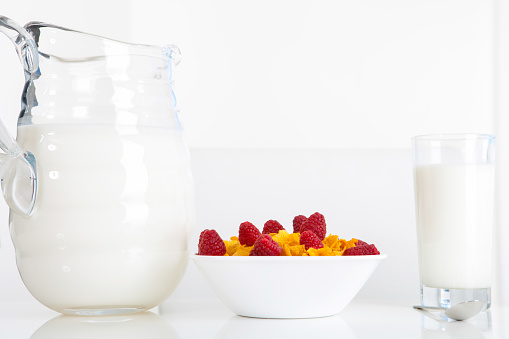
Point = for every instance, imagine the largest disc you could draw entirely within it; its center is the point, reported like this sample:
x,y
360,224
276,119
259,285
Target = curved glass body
x,y
454,177
108,233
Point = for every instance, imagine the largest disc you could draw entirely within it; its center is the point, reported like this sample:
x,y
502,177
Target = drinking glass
x,y
454,192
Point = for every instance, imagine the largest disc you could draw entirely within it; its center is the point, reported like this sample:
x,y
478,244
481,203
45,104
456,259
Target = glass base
x,y
103,311
446,297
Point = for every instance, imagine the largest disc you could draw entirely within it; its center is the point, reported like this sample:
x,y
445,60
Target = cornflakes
x,y
231,245
283,237
290,243
324,251
337,244
243,250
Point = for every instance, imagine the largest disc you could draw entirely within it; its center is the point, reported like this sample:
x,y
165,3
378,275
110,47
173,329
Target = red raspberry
x,y
265,245
272,226
360,243
362,250
297,223
248,233
315,223
210,243
309,239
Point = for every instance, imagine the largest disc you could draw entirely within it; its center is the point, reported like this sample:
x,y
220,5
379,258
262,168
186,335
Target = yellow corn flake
x,y
324,251
231,245
295,250
347,244
286,251
337,244
298,250
290,243
331,241
283,237
351,243
243,250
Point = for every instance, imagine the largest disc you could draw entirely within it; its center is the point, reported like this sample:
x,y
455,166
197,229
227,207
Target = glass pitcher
x,y
98,180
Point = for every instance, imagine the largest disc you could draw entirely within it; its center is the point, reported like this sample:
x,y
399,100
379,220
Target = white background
x,y
292,107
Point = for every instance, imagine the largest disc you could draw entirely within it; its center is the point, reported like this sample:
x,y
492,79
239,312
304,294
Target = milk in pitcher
x,y
111,219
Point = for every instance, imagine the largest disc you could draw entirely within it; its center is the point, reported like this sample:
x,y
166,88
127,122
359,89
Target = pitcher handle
x,y
17,166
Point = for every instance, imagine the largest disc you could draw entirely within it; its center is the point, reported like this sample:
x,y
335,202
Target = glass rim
x,y
454,136
163,52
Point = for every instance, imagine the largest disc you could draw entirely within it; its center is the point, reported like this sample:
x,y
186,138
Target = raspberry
x,y
272,226
315,223
211,243
297,223
309,239
248,233
362,250
265,245
360,243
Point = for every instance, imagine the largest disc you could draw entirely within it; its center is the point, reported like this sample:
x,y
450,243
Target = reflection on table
x,y
143,325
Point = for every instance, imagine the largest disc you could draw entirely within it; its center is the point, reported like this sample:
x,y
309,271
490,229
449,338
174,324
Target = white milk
x,y
111,220
454,205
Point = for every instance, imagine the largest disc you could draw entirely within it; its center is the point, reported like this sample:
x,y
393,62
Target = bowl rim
x,y
337,258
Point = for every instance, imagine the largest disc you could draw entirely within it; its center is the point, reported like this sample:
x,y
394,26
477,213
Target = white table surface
x,y
208,318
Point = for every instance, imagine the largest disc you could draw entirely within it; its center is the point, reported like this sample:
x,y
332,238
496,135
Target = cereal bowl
x,y
287,287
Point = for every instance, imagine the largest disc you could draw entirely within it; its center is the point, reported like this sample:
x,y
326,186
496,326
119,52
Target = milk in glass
x,y
454,224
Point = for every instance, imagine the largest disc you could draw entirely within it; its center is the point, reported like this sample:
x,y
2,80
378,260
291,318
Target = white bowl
x,y
287,287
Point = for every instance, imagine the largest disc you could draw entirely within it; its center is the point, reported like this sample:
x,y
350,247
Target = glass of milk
x,y
454,191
